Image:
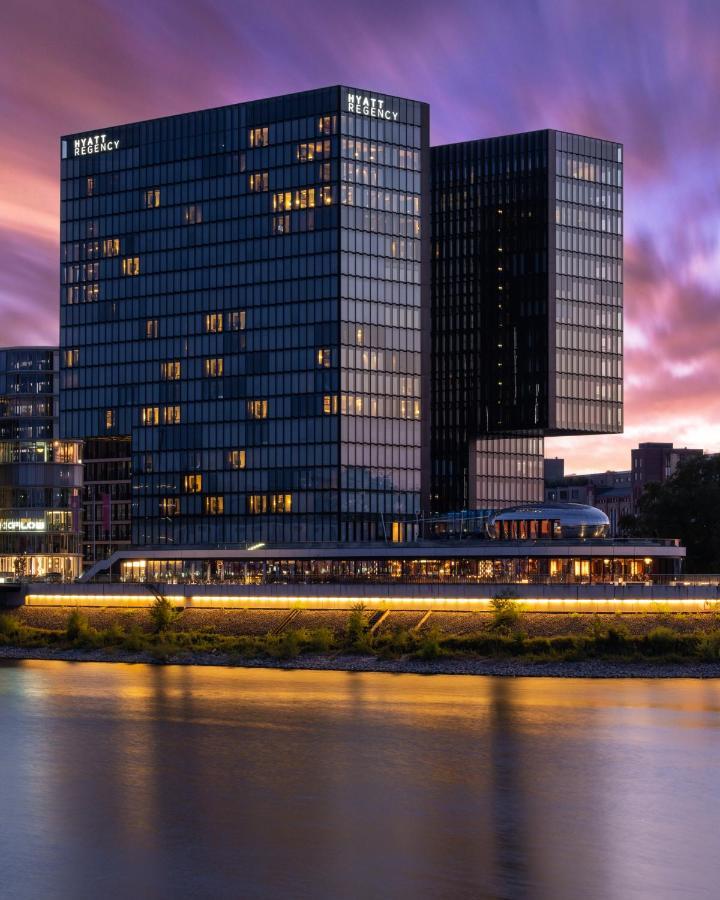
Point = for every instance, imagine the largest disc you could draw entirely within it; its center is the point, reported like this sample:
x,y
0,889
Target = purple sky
x,y
641,72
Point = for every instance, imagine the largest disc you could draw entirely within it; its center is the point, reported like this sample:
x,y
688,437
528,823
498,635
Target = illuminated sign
x,y
362,105
22,525
95,143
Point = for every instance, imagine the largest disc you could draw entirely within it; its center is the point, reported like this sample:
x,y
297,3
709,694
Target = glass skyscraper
x,y
526,309
245,295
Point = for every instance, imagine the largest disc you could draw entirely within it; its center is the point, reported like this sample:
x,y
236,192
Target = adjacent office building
x,y
526,309
251,298
40,476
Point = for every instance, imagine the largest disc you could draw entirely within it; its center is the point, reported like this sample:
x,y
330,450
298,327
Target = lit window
x,y
192,215
72,358
171,415
214,367
324,357
151,328
151,198
307,152
281,224
214,505
359,335
257,409
326,124
281,503
330,404
111,247
170,371
109,418
236,459
214,323
89,186
150,415
326,195
236,320
259,137
302,198
325,172
258,181
131,265
170,506
257,503
192,484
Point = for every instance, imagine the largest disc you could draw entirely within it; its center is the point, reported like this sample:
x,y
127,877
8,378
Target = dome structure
x,y
549,521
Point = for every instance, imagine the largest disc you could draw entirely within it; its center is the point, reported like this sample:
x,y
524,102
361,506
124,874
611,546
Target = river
x,y
153,782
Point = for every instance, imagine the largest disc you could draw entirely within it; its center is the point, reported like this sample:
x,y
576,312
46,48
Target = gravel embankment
x,y
468,666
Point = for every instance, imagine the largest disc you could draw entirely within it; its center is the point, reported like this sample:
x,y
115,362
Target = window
x,y
192,484
257,503
324,357
151,198
281,503
236,459
214,505
214,367
150,415
236,320
111,247
131,265
192,215
257,409
326,124
170,506
171,415
170,371
214,323
259,137
281,224
326,195
109,418
330,404
89,186
325,171
72,358
302,198
258,181
308,151
151,328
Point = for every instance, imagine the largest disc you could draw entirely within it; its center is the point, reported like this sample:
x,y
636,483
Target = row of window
x,y
589,217
581,241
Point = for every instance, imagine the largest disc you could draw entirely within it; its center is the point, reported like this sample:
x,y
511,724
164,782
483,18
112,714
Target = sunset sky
x,y
644,73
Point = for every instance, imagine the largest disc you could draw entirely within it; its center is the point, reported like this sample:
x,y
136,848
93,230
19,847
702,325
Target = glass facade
x,y
242,296
40,476
106,497
526,309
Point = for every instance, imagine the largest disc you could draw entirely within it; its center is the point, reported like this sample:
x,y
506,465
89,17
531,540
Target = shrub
x,y
77,627
162,614
708,647
429,647
8,626
506,613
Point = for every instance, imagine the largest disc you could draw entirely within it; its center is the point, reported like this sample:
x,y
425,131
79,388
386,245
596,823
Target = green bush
x,y
9,626
78,627
162,614
506,612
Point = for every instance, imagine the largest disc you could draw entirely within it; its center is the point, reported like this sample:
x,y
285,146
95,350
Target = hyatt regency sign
x,y
94,143
370,106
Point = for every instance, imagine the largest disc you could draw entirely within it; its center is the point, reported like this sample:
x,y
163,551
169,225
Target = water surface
x,y
142,781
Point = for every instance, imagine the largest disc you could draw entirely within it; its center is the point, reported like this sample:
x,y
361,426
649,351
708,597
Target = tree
x,y
687,506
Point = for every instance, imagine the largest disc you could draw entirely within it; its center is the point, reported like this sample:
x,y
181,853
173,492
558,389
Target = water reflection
x,y
179,782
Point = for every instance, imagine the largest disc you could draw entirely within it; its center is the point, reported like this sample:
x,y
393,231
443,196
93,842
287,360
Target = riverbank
x,y
507,642
513,668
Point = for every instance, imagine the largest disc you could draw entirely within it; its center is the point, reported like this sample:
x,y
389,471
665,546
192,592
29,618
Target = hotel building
x,y
245,295
306,325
